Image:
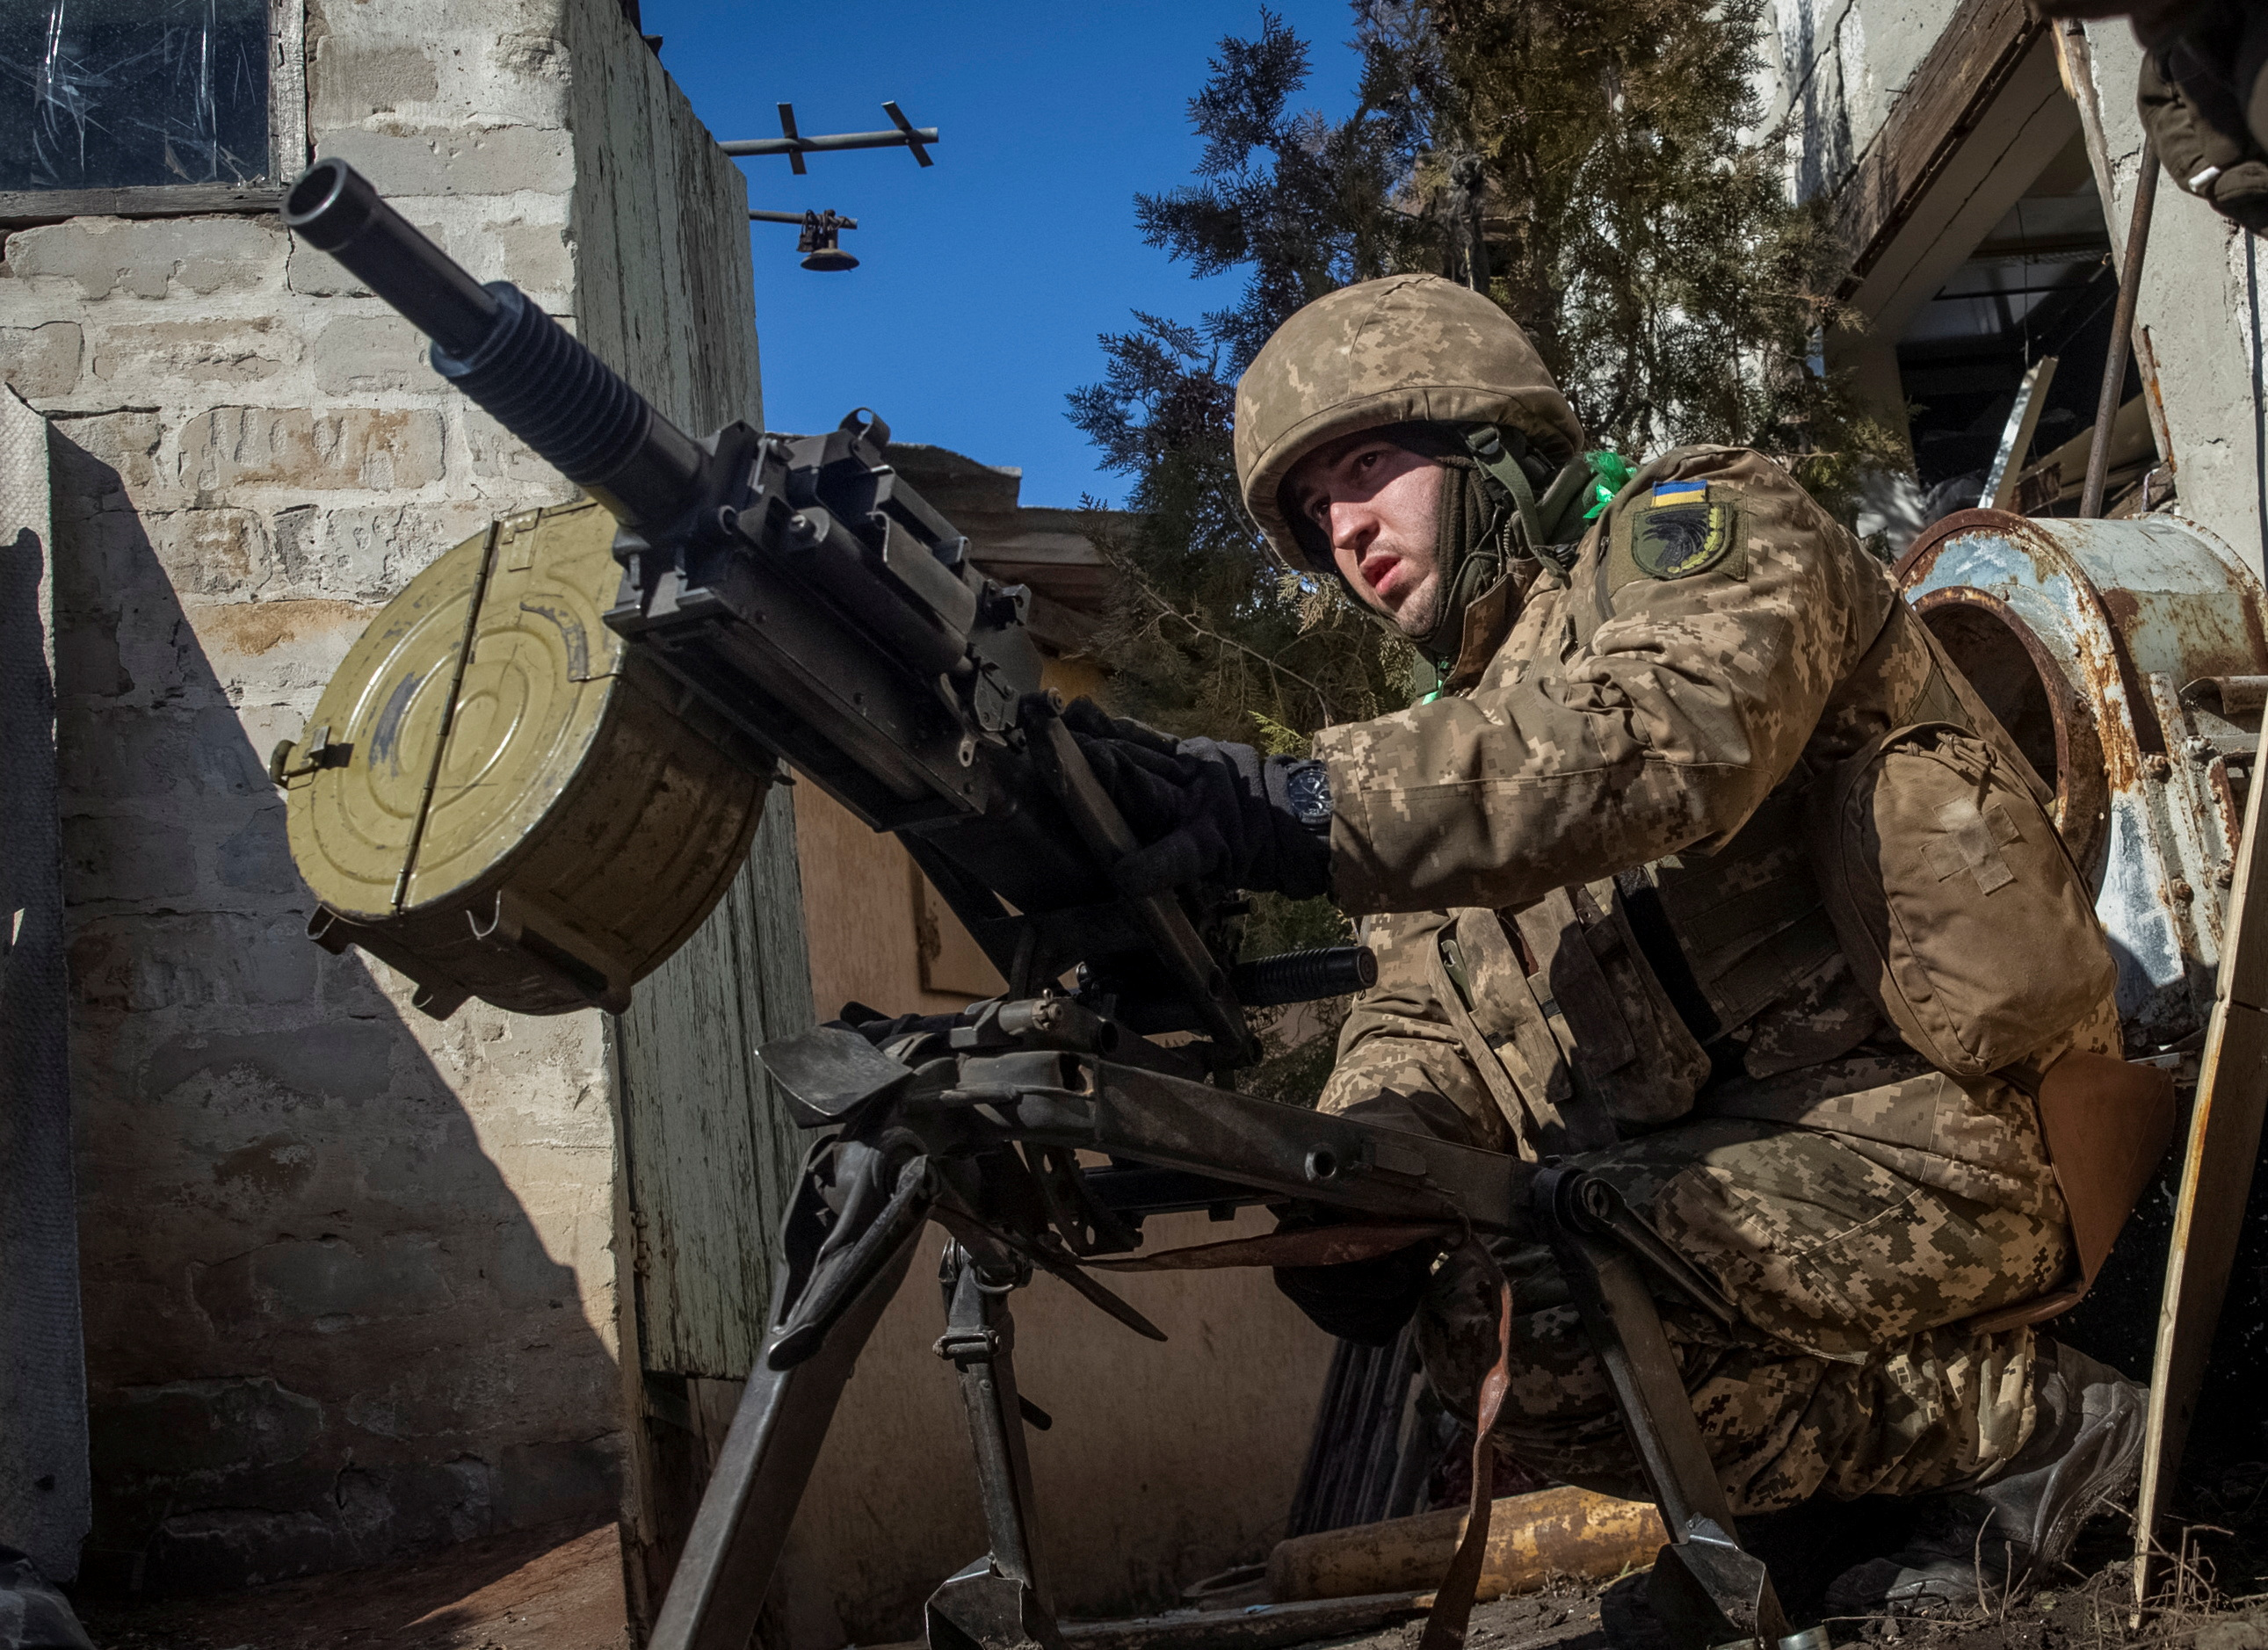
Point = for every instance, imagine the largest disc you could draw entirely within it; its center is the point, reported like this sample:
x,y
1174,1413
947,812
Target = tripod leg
x,y
1705,1587
1000,1601
760,1476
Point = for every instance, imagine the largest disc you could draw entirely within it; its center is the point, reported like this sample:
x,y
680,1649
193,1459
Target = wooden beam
x,y
21,209
1979,49
2217,1164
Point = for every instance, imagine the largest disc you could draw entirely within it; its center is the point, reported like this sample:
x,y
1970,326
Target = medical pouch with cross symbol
x,y
1955,898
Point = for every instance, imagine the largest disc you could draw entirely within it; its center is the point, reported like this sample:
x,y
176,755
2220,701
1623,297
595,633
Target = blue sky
x,y
985,278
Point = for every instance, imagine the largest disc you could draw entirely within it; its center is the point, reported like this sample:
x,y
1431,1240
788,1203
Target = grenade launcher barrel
x,y
800,587
505,353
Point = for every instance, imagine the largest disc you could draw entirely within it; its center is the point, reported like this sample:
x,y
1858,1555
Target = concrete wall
x,y
1834,69
2200,303
347,1280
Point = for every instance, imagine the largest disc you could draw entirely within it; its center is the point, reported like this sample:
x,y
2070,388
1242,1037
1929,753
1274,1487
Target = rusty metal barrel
x,y
498,799
2129,660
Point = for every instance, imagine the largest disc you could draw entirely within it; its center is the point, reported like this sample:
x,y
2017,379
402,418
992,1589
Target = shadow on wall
x,y
43,1484
321,1330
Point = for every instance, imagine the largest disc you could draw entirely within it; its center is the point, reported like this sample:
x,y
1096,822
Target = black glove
x,y
1368,1301
1207,811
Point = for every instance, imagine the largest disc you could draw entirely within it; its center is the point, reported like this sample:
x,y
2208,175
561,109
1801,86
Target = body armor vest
x,y
1733,936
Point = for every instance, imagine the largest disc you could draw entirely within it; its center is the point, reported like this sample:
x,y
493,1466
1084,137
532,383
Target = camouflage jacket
x,y
1634,718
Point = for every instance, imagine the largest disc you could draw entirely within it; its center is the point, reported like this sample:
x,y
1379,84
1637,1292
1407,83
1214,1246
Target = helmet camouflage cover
x,y
1408,349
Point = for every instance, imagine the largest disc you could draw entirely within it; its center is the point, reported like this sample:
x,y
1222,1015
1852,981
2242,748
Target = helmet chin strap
x,y
1486,444
1473,565
1550,523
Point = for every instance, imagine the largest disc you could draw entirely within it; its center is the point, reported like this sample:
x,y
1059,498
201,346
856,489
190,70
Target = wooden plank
x,y
711,1156
1259,1627
20,209
288,149
1979,49
2217,1167
665,292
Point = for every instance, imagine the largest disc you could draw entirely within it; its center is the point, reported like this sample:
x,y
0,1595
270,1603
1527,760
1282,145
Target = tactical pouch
x,y
1634,1056
1955,898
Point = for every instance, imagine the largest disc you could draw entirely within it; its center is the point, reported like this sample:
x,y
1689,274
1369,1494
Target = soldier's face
x,y
1377,504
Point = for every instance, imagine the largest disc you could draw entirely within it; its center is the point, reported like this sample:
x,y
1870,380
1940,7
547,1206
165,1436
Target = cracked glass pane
x,y
98,94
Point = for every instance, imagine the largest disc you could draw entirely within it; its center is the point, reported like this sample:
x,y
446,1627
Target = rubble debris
x,y
33,1615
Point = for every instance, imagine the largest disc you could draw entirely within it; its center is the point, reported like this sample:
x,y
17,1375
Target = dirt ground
x,y
561,1589
2214,1587
557,1588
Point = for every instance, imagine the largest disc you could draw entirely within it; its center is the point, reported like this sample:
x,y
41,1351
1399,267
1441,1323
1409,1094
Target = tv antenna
x,y
904,134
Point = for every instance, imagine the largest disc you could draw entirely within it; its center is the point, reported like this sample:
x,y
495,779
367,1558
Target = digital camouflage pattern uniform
x,y
1583,853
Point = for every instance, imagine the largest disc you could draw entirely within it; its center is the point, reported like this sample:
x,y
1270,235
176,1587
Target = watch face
x,y
1308,790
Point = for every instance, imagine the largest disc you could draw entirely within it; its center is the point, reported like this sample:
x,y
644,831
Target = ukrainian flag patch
x,y
1684,531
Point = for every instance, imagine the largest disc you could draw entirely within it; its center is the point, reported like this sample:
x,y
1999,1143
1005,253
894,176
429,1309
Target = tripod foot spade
x,y
982,1610
1706,1590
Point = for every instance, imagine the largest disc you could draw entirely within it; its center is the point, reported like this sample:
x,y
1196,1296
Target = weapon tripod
x,y
979,1123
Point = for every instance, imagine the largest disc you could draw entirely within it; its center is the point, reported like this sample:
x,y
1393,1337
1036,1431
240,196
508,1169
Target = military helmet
x,y
1409,349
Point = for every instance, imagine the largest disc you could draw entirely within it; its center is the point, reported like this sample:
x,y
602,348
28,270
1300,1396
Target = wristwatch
x,y
1307,794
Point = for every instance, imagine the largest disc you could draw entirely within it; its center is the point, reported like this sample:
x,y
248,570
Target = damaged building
x,y
358,1282
355,1283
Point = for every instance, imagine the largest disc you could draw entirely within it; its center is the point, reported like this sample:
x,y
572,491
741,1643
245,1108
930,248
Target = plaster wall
x,y
859,890
1835,71
1165,1463
347,1279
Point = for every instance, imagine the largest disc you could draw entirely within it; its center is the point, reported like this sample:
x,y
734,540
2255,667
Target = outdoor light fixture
x,y
817,242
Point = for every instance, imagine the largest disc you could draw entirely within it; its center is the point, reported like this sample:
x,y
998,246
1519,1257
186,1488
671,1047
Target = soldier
x,y
1583,867
2202,92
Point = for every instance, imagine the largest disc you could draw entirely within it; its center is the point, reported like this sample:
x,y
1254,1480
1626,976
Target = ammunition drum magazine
x,y
487,762
771,598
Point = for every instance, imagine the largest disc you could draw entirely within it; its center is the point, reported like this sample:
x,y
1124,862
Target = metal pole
x,y
2122,332
1000,1601
792,144
2016,439
827,142
755,217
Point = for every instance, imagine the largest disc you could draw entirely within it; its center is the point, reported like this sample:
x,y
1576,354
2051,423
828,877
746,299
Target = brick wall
x,y
346,1278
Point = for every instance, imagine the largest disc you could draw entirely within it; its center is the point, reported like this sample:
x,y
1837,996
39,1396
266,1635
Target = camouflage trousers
x,y
1849,1374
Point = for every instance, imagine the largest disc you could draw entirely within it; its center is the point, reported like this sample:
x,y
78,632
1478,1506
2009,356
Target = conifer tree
x,y
1210,635
1645,239
1637,225
1213,635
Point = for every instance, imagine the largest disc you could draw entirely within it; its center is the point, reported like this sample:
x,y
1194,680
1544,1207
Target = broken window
x,y
105,95
2039,285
